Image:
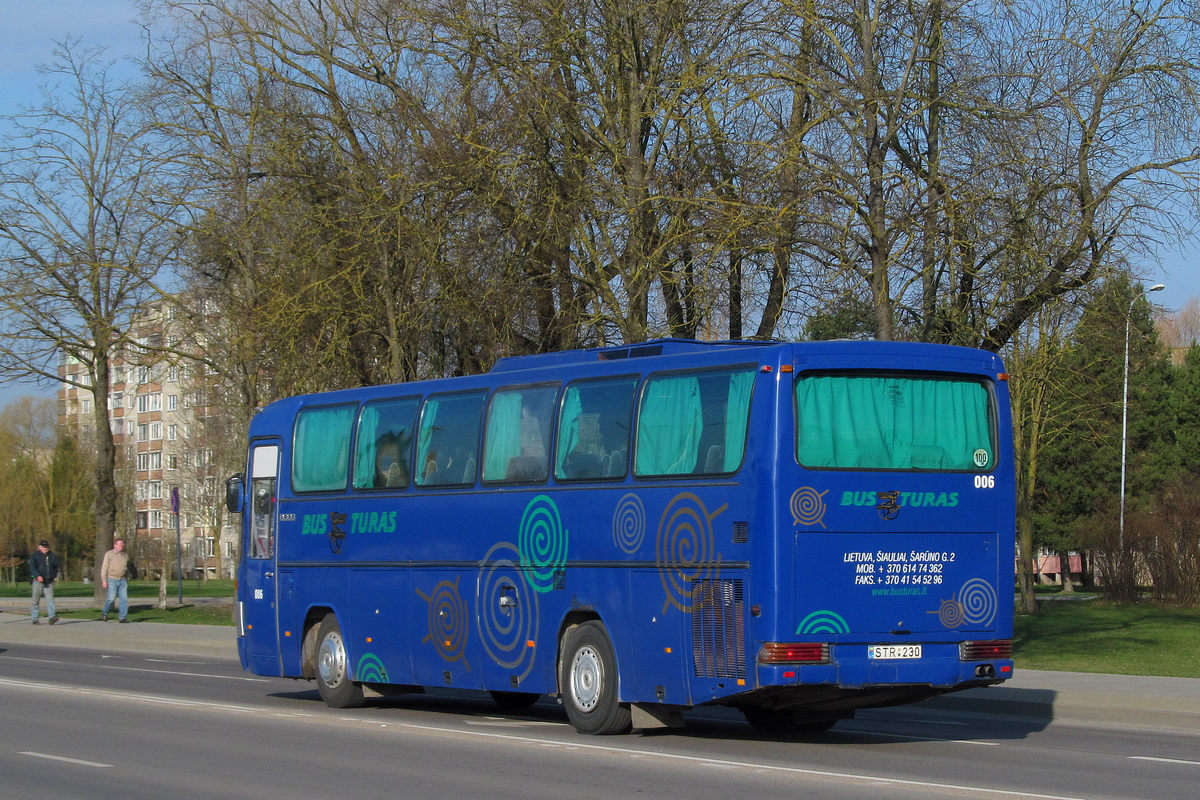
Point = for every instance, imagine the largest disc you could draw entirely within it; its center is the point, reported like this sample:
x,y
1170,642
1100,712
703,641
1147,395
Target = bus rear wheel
x,y
333,667
588,681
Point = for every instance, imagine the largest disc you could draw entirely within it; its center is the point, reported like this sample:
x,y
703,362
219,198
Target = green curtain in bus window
x,y
424,440
321,452
737,417
874,422
669,426
503,441
568,428
364,449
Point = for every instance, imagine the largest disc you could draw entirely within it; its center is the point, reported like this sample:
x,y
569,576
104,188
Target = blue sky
x,y
30,28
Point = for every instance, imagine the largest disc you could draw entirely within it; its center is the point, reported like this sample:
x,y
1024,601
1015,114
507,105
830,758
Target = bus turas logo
x,y
448,621
542,543
685,549
808,506
629,524
823,621
506,611
888,505
336,534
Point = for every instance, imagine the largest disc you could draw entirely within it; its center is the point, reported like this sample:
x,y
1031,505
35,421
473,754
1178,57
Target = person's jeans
x,y
119,588
39,589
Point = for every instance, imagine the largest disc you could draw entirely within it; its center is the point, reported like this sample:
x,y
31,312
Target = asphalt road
x,y
80,723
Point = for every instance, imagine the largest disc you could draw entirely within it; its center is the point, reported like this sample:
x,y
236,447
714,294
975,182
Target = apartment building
x,y
160,415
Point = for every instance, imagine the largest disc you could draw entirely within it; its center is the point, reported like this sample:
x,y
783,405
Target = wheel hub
x,y
587,678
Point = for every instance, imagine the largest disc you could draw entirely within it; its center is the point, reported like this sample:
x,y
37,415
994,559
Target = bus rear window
x,y
894,422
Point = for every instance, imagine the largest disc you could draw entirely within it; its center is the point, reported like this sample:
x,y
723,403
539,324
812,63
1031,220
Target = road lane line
x,y
244,678
1164,760
52,757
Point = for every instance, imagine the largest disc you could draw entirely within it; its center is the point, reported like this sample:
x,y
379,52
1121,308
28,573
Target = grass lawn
x,y
1094,636
207,614
191,588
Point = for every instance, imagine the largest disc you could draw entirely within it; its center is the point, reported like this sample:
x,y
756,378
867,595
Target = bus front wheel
x,y
588,681
333,667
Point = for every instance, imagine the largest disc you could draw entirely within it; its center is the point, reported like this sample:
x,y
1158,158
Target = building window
x,y
156,401
156,490
172,432
172,461
172,402
155,430
117,401
143,432
155,459
85,406
173,374
142,518
143,403
143,463
140,491
143,375
155,519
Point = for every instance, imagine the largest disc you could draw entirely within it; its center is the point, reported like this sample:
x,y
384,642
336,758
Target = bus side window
x,y
517,438
447,439
383,446
593,429
321,448
693,423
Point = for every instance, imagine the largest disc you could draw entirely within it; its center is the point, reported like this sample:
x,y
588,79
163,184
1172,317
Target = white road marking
x,y
244,678
78,761
1164,760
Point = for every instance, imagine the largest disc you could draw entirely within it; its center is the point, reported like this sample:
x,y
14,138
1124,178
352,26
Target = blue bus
x,y
795,530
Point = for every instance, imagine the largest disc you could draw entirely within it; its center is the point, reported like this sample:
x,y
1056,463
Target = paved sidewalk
x,y
1033,695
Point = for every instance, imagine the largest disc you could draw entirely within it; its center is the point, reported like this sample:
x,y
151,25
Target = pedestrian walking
x,y
113,571
43,569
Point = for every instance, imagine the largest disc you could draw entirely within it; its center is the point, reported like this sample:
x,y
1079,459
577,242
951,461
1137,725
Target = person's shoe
x,y
54,619
104,617
122,619
35,622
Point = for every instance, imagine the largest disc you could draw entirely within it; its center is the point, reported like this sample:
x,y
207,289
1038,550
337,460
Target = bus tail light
x,y
794,653
985,651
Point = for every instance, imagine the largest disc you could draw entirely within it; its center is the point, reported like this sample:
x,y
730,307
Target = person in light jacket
x,y
113,571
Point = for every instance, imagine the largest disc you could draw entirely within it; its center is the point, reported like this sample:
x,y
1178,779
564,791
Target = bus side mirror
x,y
234,491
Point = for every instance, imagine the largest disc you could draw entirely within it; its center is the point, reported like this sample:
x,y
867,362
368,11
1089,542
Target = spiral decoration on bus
x,y
542,543
629,524
448,620
371,669
823,621
950,613
808,506
506,610
685,550
978,600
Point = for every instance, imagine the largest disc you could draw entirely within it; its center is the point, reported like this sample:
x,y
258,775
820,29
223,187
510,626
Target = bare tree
x,y
83,239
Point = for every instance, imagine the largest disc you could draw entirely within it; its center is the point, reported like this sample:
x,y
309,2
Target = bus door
x,y
259,582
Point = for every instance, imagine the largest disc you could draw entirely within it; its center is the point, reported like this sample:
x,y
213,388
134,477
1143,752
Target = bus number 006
x,y
985,481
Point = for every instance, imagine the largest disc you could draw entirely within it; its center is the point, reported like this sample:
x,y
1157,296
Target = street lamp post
x,y
1125,408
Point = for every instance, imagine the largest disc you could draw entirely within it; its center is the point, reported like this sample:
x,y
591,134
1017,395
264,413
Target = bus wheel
x,y
515,699
588,681
333,667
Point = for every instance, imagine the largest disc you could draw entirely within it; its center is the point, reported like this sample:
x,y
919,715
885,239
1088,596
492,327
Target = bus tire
x,y
333,667
588,681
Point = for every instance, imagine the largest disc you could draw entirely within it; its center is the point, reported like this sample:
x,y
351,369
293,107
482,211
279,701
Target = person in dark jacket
x,y
43,567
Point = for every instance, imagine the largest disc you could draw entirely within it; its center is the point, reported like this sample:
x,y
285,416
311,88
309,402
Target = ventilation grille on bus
x,y
718,629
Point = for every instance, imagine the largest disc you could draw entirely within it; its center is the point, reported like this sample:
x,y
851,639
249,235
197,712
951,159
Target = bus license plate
x,y
881,652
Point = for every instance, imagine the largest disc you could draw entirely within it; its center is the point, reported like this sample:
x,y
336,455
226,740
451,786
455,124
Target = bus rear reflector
x,y
794,653
985,651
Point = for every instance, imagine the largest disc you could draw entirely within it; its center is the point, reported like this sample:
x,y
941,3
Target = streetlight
x,y
1125,407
